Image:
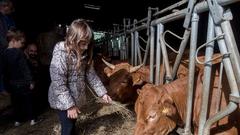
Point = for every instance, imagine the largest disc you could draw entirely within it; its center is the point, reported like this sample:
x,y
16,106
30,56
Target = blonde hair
x,y
79,31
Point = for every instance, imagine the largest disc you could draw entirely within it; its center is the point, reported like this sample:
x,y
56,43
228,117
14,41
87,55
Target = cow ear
x,y
138,91
168,105
165,110
169,109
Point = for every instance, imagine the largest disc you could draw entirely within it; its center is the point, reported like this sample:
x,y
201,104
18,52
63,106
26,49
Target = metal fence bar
x,y
207,75
152,43
193,44
168,77
232,48
138,49
199,8
135,48
132,48
160,29
182,47
232,106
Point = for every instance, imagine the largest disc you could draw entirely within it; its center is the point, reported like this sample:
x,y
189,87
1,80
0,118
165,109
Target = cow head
x,y
155,111
121,81
121,86
136,76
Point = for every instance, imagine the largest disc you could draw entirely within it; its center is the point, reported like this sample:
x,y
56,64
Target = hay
x,y
119,108
114,106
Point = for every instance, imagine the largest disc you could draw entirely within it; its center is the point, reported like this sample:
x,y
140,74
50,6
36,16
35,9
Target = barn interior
x,y
40,16
114,24
36,17
102,13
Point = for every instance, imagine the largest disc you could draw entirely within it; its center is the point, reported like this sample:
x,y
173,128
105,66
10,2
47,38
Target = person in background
x,y
70,68
39,94
6,24
18,79
31,53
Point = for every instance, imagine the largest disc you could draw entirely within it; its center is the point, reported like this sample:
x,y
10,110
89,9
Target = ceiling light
x,y
94,7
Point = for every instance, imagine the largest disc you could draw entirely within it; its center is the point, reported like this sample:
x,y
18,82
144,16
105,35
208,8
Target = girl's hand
x,y
106,98
72,113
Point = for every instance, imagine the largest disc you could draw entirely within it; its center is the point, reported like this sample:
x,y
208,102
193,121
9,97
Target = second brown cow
x,y
161,108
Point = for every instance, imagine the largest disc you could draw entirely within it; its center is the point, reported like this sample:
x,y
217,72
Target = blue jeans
x,y
67,125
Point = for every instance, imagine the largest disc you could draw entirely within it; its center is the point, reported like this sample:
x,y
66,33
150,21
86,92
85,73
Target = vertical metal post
x,y
146,51
165,59
138,48
135,48
227,63
160,28
135,44
125,39
152,33
232,106
232,48
127,47
132,48
148,34
207,75
119,43
193,44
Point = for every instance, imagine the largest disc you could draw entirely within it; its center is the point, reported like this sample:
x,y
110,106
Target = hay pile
x,y
96,119
109,120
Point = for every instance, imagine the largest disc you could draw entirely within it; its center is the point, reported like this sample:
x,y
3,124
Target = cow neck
x,y
177,90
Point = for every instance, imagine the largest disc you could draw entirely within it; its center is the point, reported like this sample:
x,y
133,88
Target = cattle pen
x,y
154,49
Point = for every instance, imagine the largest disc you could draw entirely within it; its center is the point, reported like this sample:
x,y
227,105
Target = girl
x,y
69,68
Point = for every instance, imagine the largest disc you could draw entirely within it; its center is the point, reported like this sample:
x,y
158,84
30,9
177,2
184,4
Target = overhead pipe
x,y
178,4
199,8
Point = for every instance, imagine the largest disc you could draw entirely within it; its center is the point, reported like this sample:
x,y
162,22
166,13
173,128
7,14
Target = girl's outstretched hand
x,y
106,99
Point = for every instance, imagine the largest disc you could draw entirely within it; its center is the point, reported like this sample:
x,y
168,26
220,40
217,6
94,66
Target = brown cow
x,y
160,108
123,85
121,82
